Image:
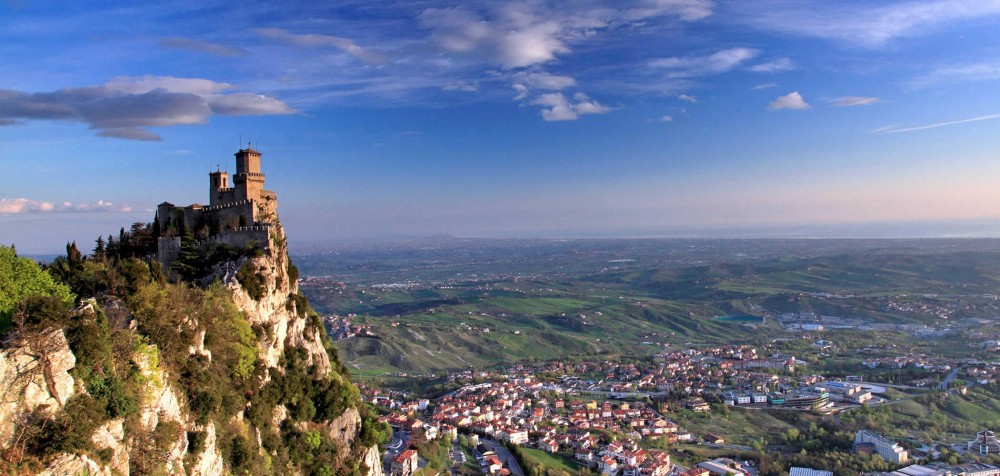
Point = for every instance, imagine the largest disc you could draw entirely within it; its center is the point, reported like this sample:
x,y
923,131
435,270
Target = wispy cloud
x,y
13,206
687,98
792,100
313,40
667,118
981,71
191,44
848,101
716,63
557,107
124,107
866,24
774,66
543,80
894,129
464,86
763,86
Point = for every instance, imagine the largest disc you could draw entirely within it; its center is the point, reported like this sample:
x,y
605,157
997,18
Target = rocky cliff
x,y
233,375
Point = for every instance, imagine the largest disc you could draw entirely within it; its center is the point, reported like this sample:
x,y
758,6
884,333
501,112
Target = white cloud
x,y
687,98
716,63
313,40
894,129
774,66
763,86
871,24
123,107
514,39
848,101
522,91
556,107
792,100
667,118
528,33
23,205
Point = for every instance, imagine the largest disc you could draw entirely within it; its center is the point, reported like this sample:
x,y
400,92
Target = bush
x,y
196,441
251,280
72,427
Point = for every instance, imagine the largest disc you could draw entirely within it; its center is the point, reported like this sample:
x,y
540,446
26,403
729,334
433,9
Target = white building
x,y
985,443
887,449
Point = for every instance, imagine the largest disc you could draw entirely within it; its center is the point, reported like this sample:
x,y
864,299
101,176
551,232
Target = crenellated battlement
x,y
226,205
257,227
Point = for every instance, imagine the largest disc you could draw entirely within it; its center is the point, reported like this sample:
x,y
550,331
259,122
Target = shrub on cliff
x,y
21,278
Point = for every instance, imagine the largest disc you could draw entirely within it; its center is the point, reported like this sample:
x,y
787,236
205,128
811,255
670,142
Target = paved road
x,y
504,455
395,446
947,380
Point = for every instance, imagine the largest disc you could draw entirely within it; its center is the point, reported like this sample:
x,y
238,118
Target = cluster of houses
x,y
919,361
512,411
691,372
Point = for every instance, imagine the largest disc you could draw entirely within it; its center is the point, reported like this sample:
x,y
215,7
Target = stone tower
x,y
248,180
219,190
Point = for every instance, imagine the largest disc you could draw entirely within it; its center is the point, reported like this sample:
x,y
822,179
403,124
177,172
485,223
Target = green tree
x,y
21,278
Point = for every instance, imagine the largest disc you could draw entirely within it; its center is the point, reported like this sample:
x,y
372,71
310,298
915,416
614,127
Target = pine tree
x,y
73,255
190,264
99,248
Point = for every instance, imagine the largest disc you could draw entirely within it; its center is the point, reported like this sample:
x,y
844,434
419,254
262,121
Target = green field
x,y
480,323
550,461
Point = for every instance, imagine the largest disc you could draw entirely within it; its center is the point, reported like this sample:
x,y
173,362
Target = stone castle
x,y
238,213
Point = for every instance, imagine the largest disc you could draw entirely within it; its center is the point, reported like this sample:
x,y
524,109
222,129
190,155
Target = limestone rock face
x,y
111,435
34,376
373,460
160,404
75,464
209,462
345,427
275,311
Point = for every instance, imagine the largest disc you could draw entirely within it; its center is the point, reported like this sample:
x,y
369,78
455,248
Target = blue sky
x,y
521,118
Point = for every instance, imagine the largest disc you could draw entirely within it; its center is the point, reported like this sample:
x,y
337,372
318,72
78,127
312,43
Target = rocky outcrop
x,y
34,376
345,427
373,461
160,405
66,464
275,309
209,462
111,435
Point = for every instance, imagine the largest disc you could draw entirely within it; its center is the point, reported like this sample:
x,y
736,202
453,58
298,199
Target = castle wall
x,y
168,248
228,215
222,196
243,236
